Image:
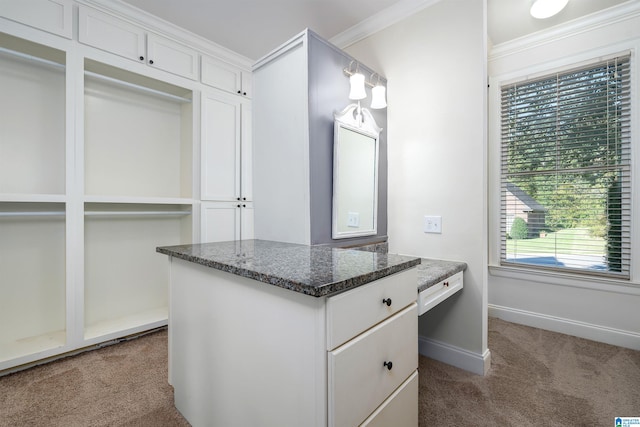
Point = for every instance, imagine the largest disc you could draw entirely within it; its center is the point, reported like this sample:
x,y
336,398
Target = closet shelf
x,y
137,87
32,213
32,58
136,213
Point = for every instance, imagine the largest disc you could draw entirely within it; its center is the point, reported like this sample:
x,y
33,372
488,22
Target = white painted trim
x,y
576,328
582,281
476,363
619,13
293,42
381,20
152,23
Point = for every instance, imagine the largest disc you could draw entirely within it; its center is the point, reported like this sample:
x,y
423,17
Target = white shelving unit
x,y
32,199
138,189
100,163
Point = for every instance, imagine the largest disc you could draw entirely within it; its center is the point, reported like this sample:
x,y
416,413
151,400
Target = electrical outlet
x,y
353,219
432,224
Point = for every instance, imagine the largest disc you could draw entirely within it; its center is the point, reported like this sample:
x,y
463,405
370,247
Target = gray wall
x,y
328,93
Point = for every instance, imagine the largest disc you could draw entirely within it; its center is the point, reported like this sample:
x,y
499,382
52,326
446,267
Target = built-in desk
x,y
437,281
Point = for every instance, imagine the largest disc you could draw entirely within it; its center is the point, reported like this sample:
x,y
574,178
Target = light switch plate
x,y
432,224
353,219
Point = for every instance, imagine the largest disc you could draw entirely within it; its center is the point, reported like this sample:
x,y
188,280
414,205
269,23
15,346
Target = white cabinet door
x,y
246,153
108,33
122,38
226,148
53,16
220,147
220,222
225,76
246,221
172,57
226,221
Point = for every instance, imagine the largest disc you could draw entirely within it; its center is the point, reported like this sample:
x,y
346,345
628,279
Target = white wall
x,y
602,310
435,63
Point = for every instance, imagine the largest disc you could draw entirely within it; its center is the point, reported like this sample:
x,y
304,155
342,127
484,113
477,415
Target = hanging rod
x,y
43,61
32,213
137,87
136,213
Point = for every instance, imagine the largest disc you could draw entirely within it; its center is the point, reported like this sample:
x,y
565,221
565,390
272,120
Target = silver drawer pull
x,y
388,302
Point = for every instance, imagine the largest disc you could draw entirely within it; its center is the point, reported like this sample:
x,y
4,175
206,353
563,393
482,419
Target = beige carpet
x,y
537,378
120,385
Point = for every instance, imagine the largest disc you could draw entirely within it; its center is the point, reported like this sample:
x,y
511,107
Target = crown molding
x,y
593,21
144,19
381,20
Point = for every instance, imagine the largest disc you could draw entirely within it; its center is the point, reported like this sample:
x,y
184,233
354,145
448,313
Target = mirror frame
x,y
359,120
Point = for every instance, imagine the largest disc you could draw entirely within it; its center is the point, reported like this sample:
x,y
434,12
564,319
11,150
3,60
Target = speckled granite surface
x,y
432,271
313,270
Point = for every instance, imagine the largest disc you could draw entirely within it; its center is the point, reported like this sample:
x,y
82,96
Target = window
x,y
566,170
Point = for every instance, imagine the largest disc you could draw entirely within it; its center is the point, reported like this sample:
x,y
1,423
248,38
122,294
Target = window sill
x,y
565,279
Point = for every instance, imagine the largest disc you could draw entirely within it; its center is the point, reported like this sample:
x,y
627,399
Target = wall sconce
x,y
357,87
542,9
378,94
357,91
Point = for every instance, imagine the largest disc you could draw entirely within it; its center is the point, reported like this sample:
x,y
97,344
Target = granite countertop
x,y
312,270
432,271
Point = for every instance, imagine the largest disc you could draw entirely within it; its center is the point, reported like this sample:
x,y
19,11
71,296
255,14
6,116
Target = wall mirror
x,y
355,173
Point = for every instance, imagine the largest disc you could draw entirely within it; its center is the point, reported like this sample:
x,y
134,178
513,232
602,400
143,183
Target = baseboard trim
x,y
585,330
455,356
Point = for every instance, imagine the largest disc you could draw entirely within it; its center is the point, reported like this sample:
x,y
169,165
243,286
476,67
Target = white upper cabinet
x,y
53,16
114,35
172,57
225,76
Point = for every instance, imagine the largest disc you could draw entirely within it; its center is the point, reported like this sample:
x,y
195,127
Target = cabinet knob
x,y
244,198
239,92
244,93
244,206
238,205
142,58
446,284
151,61
388,302
388,364
238,198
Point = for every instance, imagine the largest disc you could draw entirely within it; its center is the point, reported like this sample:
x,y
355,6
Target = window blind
x,y
566,170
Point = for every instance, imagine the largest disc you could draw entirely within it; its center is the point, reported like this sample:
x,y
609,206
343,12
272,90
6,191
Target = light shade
x,y
357,87
542,9
378,99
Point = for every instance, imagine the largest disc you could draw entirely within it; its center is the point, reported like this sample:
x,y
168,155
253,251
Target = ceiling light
x,y
542,9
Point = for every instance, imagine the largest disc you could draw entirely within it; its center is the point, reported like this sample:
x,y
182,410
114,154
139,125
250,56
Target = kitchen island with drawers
x,y
266,333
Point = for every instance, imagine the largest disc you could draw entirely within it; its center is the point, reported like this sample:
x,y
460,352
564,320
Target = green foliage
x,y
519,229
561,136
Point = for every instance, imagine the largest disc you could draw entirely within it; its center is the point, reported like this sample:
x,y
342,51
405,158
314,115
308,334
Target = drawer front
x,y
355,311
439,292
359,380
400,409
